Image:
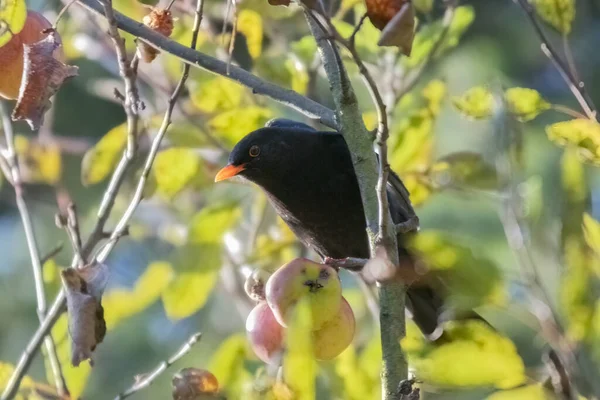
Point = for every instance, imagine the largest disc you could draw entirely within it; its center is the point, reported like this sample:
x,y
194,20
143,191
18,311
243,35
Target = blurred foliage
x,y
192,243
13,14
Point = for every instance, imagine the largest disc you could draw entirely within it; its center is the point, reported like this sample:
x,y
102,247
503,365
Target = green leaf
x,y
227,364
583,134
100,160
423,6
250,24
76,377
474,355
476,103
464,168
218,94
471,280
120,304
13,14
299,364
591,228
305,48
188,293
525,103
210,224
558,13
175,169
234,124
529,392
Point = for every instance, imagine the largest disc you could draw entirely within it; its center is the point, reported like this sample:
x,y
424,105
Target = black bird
x,y
309,178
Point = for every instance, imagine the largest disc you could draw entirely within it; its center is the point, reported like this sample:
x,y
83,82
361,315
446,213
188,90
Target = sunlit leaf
x,y
577,292
471,280
76,377
525,104
12,19
40,163
558,13
227,364
591,228
218,94
357,385
250,24
464,168
529,392
188,292
6,371
234,124
299,365
120,304
475,103
174,169
434,92
474,354
299,75
573,176
100,160
583,134
209,225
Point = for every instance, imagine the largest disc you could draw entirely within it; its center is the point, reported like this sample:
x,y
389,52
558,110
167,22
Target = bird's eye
x,y
254,151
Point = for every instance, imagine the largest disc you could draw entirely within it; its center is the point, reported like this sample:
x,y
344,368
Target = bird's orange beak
x,y
229,171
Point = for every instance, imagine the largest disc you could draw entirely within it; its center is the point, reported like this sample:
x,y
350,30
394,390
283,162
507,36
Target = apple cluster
x,y
333,321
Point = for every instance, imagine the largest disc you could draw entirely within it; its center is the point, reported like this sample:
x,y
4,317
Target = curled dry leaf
x,y
194,383
43,75
84,288
159,20
381,12
400,30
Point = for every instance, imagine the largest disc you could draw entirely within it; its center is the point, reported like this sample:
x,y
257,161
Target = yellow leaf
x,y
218,94
529,392
464,168
227,364
299,364
591,228
210,223
76,377
174,169
120,304
188,292
476,103
250,24
573,176
583,134
299,75
370,120
12,19
475,355
423,6
525,103
357,385
434,93
40,163
6,371
100,160
234,124
558,13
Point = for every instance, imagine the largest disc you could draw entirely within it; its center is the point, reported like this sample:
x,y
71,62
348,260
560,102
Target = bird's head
x,y
264,153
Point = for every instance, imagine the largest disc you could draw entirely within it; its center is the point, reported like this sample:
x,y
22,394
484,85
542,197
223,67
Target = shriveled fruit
x,y
319,283
335,335
264,333
11,54
194,383
255,284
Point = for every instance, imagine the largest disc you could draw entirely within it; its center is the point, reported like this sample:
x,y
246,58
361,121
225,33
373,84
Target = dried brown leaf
x,y
159,20
84,288
43,75
381,12
400,30
194,383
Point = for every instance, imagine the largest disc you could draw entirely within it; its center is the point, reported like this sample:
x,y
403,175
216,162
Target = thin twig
x,y
348,263
149,378
577,87
568,111
287,97
10,156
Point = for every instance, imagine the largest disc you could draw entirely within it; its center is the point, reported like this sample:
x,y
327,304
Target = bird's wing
x,y
399,199
288,124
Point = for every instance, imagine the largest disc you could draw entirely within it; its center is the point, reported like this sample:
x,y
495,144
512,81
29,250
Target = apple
x,y
11,54
264,333
336,334
303,278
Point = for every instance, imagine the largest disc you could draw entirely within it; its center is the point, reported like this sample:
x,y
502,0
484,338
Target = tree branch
x,y
196,59
576,86
391,293
10,156
149,378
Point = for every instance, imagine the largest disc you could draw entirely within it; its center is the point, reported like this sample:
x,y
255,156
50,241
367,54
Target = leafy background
x,y
177,272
